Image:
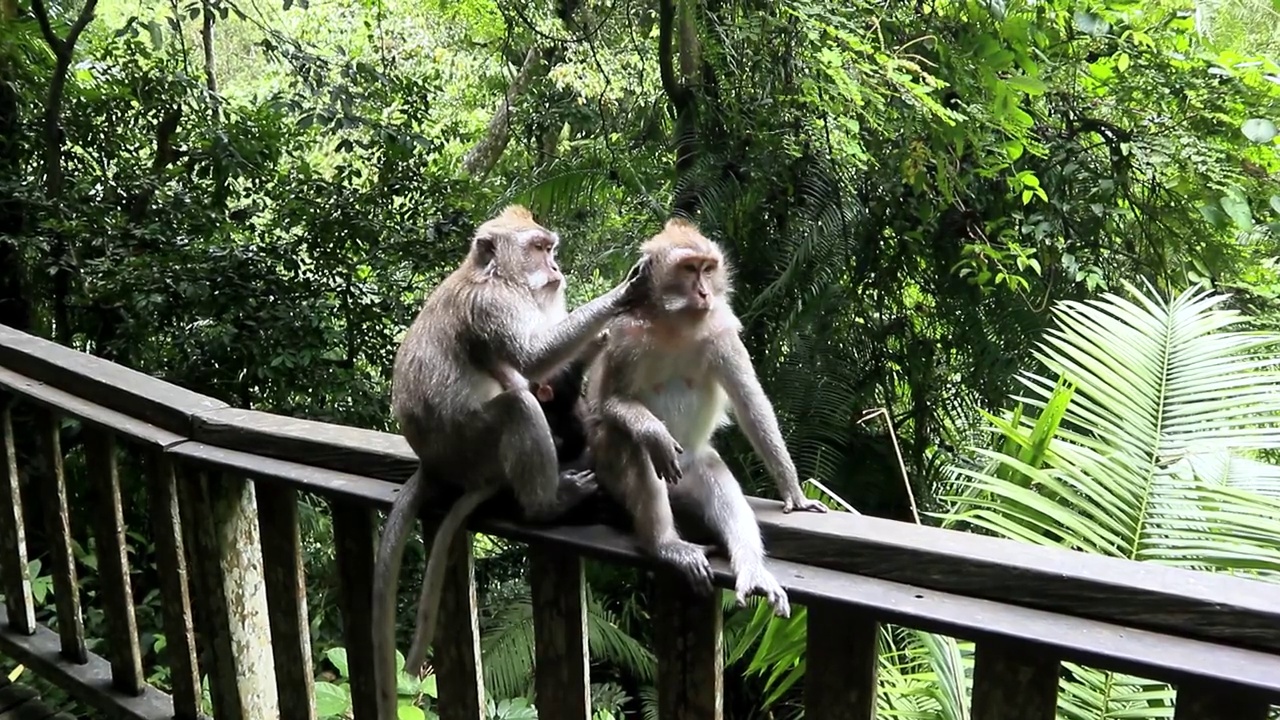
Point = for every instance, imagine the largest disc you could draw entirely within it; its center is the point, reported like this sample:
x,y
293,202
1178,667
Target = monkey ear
x,y
484,247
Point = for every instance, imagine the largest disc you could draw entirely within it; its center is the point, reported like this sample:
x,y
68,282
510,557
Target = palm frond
x,y
1144,448
1161,394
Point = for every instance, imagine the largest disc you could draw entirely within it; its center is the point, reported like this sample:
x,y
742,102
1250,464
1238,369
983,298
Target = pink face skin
x,y
541,269
691,286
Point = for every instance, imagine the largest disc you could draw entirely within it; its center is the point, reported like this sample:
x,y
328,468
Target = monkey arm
x,y
554,347
633,418
754,412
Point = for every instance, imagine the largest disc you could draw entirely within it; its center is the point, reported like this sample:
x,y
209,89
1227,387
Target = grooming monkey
x,y
657,394
504,307
560,397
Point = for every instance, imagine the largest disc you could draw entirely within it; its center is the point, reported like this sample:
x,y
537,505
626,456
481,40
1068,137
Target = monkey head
x,y
513,247
690,274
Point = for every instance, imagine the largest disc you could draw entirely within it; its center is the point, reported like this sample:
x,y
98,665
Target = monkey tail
x,y
433,577
386,577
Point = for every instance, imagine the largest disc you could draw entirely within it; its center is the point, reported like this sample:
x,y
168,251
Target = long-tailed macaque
x,y
562,404
657,394
504,305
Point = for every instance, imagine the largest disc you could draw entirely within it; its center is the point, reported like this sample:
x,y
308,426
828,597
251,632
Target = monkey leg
x,y
526,457
709,486
631,477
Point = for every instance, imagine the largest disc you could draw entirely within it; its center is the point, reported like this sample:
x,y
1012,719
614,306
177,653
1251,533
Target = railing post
x,y
690,649
1014,681
1209,700
561,662
13,540
842,656
287,599
175,594
113,561
57,520
227,570
456,659
354,537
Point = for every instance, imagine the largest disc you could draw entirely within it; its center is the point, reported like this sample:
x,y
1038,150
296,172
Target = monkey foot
x,y
575,486
759,581
690,560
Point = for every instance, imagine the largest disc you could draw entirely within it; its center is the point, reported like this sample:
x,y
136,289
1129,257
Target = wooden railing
x,y
223,488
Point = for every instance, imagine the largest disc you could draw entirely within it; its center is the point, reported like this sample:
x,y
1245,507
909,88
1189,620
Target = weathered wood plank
x,y
113,561
561,658
88,682
335,447
105,383
286,599
1179,601
175,597
65,403
226,568
57,520
456,657
13,536
1014,681
354,540
330,484
690,648
15,696
1219,701
1088,642
842,653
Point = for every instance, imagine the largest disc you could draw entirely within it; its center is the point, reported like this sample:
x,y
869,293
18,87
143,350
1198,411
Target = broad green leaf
x,y
331,700
410,712
1259,130
1237,206
338,656
1275,203
1029,85
1090,24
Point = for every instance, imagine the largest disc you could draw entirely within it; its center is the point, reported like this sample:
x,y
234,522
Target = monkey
x,y
504,304
562,403
662,386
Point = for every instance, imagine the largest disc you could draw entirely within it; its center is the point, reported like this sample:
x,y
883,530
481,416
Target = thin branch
x,y
42,16
86,15
906,481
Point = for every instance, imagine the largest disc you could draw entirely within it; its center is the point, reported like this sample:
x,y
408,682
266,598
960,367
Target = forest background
x,y
1040,235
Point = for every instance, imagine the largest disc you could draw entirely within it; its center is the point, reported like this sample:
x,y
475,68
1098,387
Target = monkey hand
x,y
798,501
759,581
664,452
635,287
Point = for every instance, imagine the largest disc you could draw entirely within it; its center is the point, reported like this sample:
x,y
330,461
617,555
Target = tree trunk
x,y
480,159
206,42
681,94
15,311
62,258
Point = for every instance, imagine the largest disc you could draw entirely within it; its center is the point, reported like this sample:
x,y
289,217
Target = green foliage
x,y
904,190
1145,447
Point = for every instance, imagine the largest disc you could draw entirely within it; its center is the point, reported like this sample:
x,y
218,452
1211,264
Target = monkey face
x,y
538,248
688,281
690,276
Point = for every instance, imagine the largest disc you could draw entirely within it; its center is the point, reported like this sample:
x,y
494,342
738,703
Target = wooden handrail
x,y
1215,634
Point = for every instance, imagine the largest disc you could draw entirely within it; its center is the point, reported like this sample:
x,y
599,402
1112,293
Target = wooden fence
x,y
222,500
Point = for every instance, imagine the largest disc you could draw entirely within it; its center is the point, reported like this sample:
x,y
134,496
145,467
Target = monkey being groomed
x,y
657,393
460,394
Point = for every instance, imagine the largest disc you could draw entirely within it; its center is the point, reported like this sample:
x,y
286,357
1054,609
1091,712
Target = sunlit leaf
x,y
1259,130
